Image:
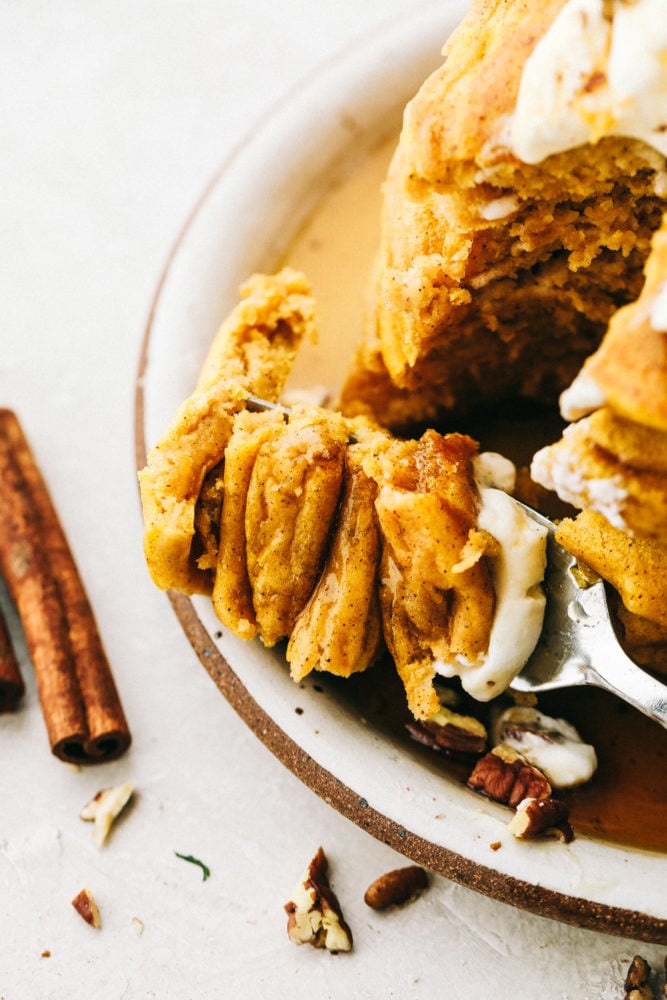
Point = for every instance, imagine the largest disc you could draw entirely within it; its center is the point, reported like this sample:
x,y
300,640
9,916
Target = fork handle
x,y
609,667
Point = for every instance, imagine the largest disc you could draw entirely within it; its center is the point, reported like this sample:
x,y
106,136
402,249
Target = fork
x,y
578,644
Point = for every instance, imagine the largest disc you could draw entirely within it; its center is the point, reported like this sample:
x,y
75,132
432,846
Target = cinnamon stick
x,y
11,682
82,711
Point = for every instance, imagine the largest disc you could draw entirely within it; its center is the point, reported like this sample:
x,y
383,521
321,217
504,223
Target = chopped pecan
x,y
636,982
85,905
396,887
314,915
534,817
504,775
638,973
450,733
104,807
640,993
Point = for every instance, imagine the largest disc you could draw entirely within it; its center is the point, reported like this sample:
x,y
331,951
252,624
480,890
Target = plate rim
x,y
526,895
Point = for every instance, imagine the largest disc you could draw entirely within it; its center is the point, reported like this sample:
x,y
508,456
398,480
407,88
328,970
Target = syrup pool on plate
x,y
335,250
626,801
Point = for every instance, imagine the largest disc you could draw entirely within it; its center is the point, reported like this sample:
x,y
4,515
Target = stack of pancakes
x,y
507,250
328,532
496,277
510,244
612,461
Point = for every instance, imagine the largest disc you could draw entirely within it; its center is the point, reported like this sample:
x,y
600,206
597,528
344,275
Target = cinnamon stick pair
x,y
84,718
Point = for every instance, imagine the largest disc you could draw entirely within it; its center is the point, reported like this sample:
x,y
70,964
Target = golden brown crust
x,y
636,568
170,486
614,460
460,108
631,364
340,629
645,641
298,516
232,593
252,352
634,445
437,603
292,498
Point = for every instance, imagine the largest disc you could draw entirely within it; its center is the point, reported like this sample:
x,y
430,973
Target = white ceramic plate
x,y
295,158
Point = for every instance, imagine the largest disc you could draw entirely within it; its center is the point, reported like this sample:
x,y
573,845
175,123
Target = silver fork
x,y
578,644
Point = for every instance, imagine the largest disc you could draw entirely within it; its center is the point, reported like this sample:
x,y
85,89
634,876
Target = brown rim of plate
x,y
572,910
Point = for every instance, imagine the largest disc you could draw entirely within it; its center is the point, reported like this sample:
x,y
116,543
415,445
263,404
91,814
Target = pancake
x,y
502,258
612,460
252,352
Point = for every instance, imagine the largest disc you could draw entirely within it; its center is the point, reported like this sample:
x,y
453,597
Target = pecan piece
x,y
85,905
104,807
504,776
396,887
314,915
534,817
450,733
636,982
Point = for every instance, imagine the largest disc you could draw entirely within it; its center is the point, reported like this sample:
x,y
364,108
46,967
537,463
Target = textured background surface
x,y
115,116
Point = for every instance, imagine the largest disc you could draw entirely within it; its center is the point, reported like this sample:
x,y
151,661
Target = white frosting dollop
x,y
552,745
558,469
493,469
517,572
589,77
580,398
499,208
659,309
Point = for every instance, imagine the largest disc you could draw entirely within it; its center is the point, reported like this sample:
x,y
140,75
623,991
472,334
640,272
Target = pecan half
x,y
314,915
504,776
396,887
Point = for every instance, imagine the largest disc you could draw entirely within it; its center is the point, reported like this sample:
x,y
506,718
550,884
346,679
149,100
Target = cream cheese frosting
x,y
552,745
599,70
659,309
517,571
581,397
559,470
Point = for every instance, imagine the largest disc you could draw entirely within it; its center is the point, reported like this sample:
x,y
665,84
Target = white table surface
x,y
115,116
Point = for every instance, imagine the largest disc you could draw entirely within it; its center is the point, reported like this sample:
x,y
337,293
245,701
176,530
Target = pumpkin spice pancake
x,y
252,352
612,462
518,209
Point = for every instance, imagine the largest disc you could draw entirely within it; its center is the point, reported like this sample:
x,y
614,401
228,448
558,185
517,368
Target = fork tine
x,y
257,405
579,644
